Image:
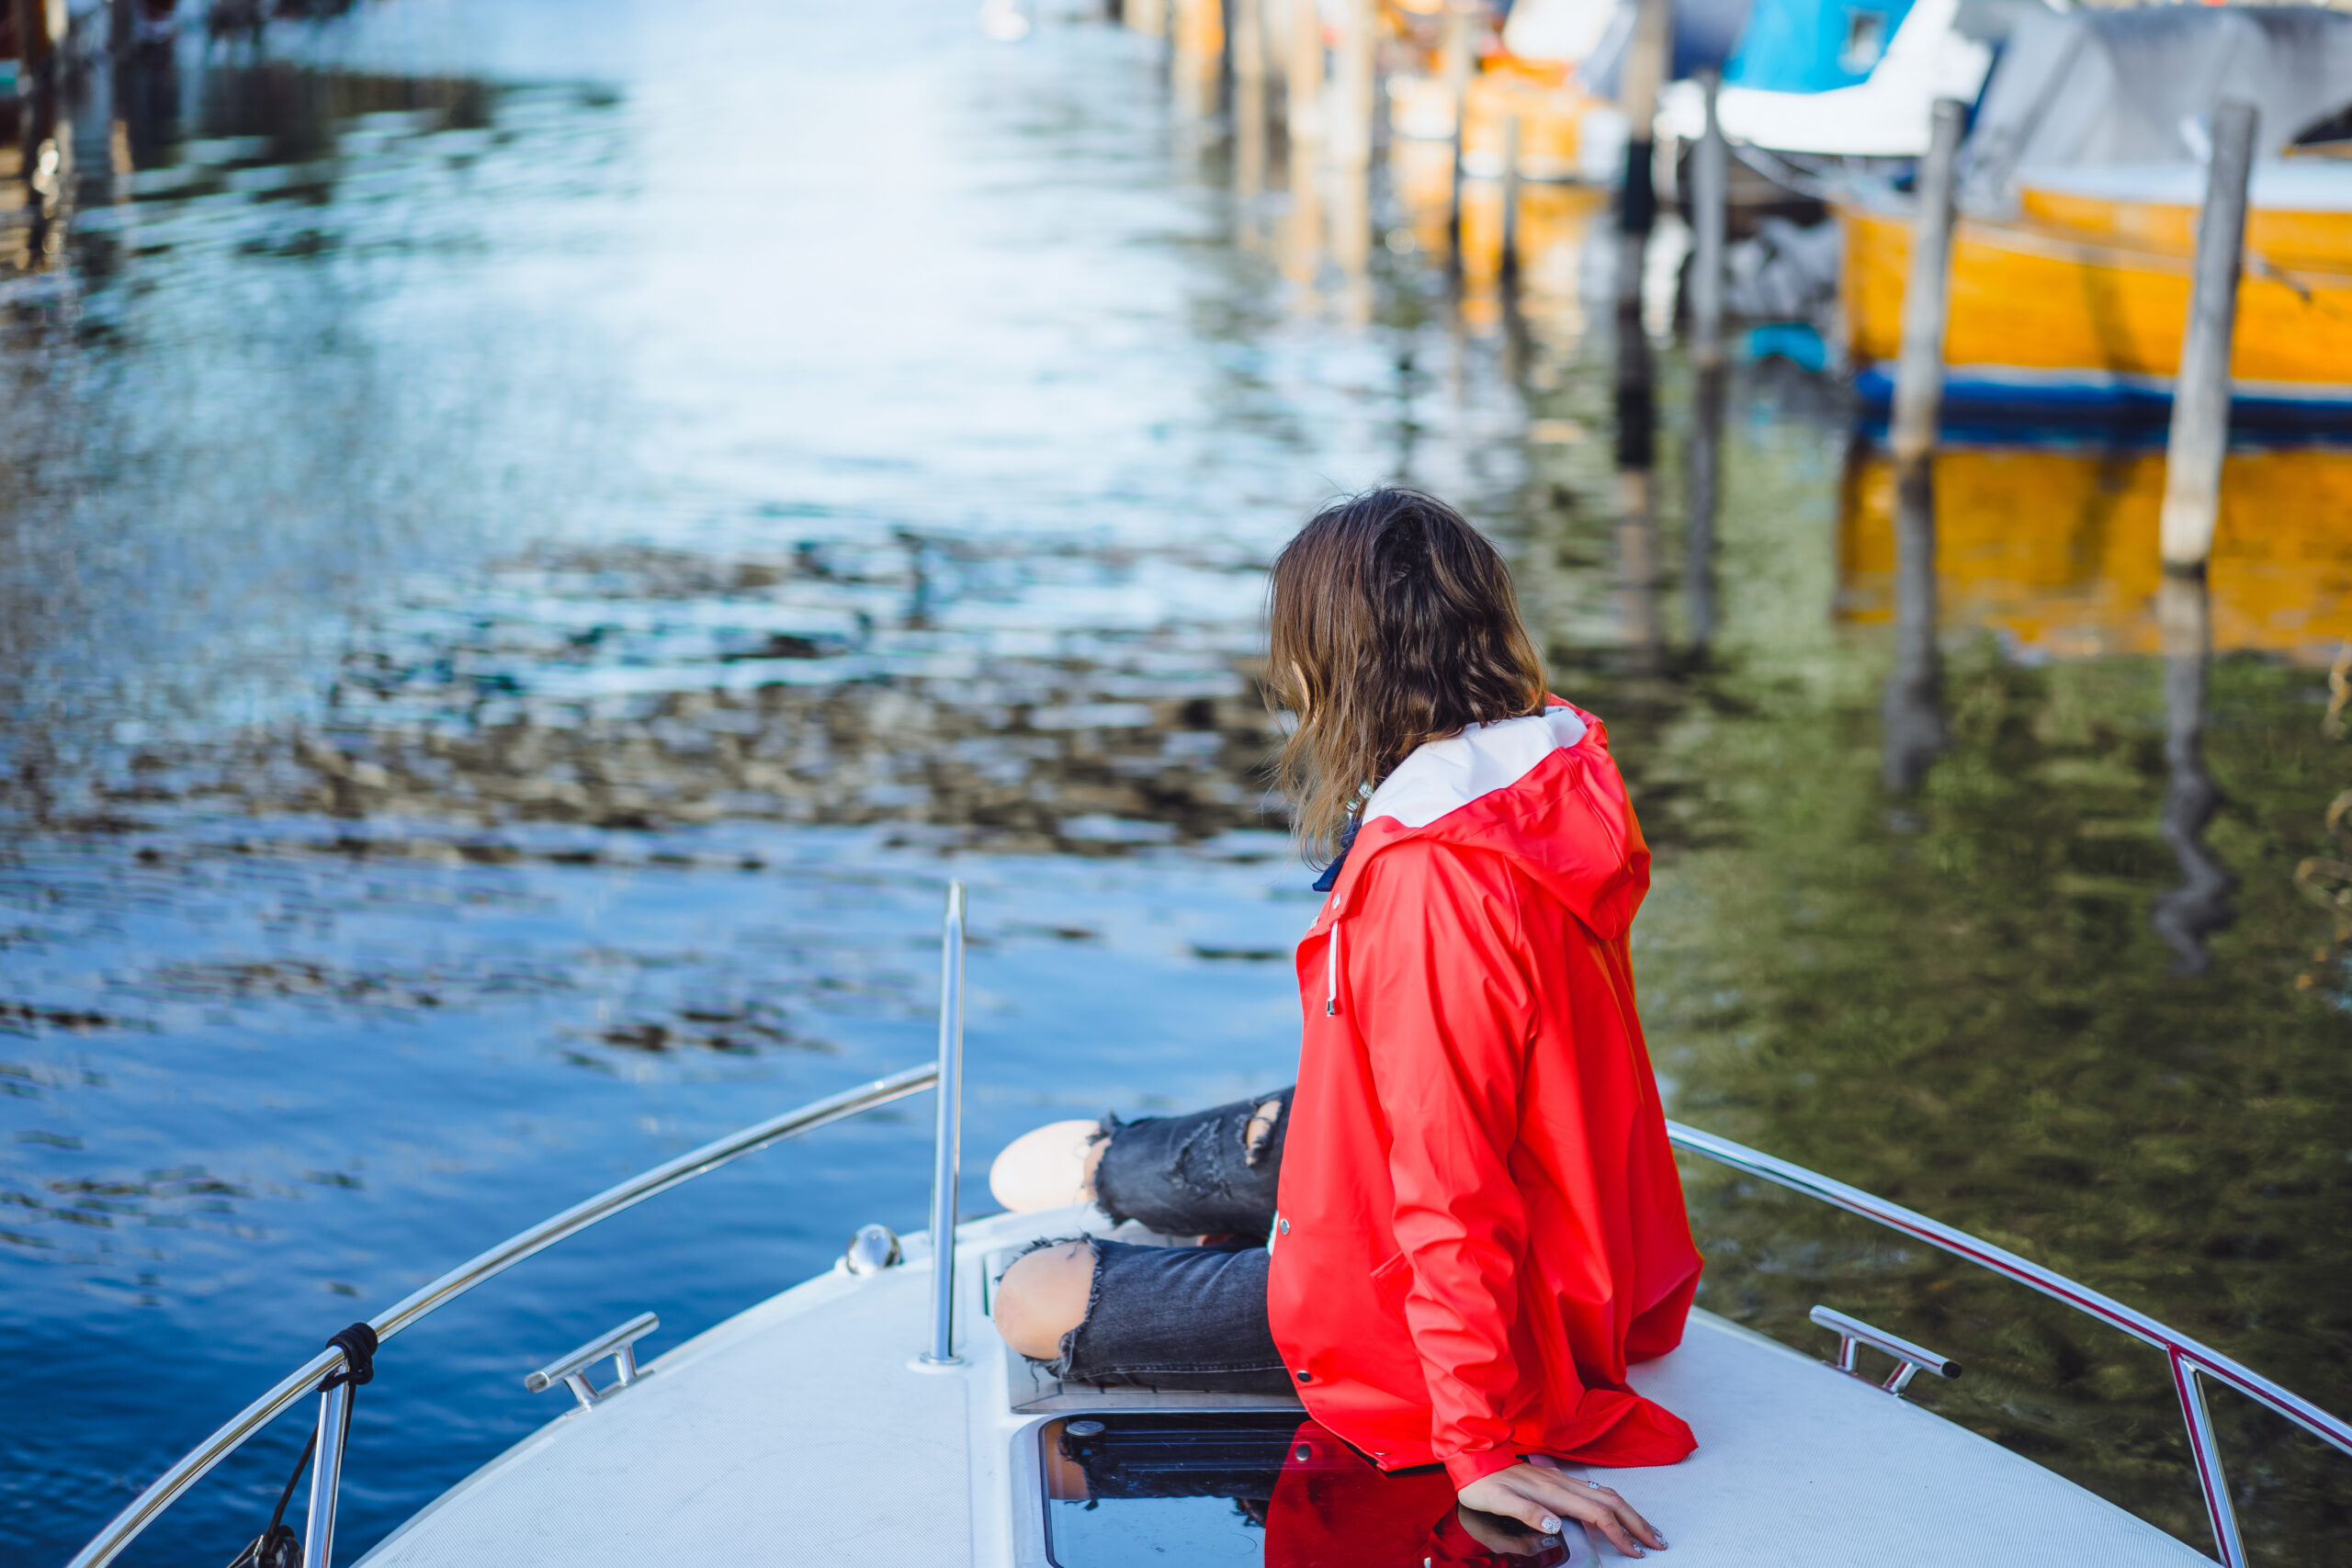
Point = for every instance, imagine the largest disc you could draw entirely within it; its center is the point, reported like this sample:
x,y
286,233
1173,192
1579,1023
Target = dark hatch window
x,y
1241,1490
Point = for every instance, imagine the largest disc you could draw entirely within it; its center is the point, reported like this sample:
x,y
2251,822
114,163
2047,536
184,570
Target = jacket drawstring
x,y
1331,972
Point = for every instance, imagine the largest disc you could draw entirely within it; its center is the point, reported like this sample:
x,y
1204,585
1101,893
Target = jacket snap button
x,y
1285,1227
1306,1377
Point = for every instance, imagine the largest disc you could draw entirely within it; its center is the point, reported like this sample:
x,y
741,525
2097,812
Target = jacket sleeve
x,y
1438,973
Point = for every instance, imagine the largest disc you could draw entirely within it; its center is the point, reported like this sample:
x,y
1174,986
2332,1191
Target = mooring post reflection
x,y
1640,633
1913,709
1196,58
2201,905
1246,47
1703,503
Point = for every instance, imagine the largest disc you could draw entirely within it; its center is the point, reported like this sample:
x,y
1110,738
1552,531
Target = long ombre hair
x,y
1393,623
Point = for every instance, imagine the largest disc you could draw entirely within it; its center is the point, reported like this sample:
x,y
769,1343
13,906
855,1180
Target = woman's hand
x,y
1541,1498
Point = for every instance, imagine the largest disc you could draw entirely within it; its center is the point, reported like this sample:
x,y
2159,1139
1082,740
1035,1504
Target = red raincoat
x,y
1480,1220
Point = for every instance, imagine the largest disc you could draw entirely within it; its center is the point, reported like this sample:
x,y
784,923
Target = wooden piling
x,y
36,41
1919,368
1457,65
1353,69
2200,398
1303,75
1637,91
1245,42
1511,196
1709,197
42,154
1643,78
1196,58
1246,47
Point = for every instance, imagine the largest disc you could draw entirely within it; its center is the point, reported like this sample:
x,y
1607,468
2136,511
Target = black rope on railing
x,y
358,1344
278,1546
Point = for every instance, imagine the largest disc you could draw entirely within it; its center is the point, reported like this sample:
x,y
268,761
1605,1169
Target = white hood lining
x,y
1444,776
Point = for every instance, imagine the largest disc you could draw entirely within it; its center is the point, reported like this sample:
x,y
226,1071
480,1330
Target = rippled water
x,y
534,538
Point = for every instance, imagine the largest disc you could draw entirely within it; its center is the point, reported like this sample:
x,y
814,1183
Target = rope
x,y
278,1546
358,1344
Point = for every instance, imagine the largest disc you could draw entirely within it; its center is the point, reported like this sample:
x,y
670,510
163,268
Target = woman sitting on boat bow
x,y
1469,1213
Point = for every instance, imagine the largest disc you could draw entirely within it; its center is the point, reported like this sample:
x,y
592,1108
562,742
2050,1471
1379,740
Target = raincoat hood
x,y
1541,791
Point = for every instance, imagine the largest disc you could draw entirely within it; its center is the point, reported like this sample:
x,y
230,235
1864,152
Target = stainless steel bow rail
x,y
2189,1359
319,1539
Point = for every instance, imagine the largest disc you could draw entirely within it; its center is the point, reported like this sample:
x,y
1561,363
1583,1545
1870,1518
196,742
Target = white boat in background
x,y
1822,81
873,1414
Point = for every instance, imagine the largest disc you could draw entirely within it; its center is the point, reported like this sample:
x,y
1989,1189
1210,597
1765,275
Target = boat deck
x,y
802,1430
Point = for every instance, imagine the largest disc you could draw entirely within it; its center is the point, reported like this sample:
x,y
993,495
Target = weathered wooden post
x,y
42,154
35,48
1511,196
1246,46
1351,102
1303,91
1919,368
1710,201
1645,75
1303,84
1353,69
1710,219
1457,66
2200,397
1245,42
1196,55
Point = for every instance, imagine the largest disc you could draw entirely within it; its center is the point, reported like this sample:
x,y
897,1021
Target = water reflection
x,y
2186,917
2053,547
1639,625
1912,708
1705,503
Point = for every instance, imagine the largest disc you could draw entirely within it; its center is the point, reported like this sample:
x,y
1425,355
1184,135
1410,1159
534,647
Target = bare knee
x,y
1042,1297
1049,1166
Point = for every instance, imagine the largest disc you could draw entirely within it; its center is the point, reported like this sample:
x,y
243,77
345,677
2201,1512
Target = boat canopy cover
x,y
1812,46
2140,86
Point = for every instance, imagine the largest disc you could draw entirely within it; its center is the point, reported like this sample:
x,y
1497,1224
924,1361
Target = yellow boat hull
x,y
2043,310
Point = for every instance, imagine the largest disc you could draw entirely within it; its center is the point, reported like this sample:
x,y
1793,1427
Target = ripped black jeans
x,y
1185,1317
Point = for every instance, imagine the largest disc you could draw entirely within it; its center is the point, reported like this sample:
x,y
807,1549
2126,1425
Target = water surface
x,y
536,539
